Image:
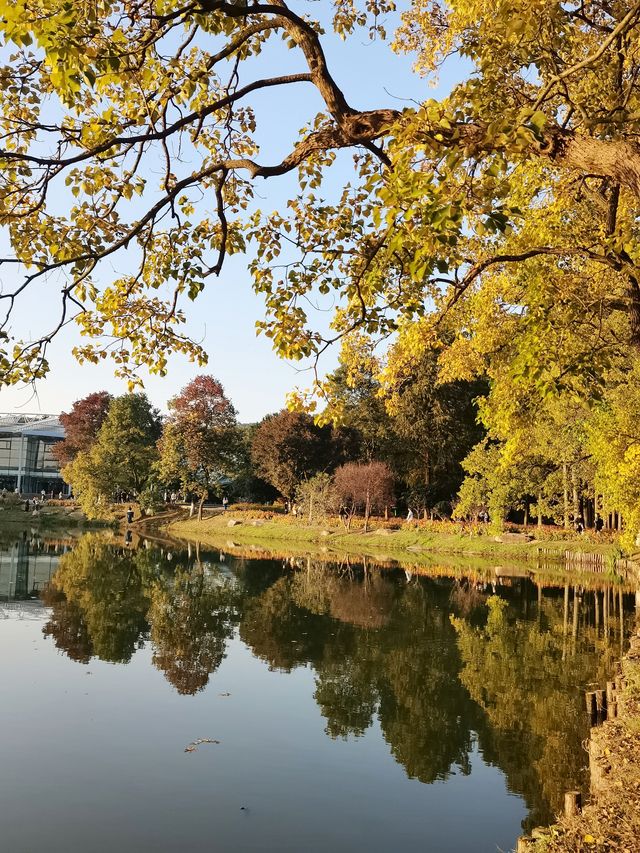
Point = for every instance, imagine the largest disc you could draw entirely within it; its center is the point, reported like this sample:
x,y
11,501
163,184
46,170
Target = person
x,y
129,515
43,495
599,524
225,503
579,525
410,515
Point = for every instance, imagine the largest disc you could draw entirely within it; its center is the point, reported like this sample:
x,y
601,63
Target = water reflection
x,y
443,665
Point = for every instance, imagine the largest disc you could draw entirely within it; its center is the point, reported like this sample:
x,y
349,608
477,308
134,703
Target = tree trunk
x,y
565,495
200,505
539,509
576,500
526,512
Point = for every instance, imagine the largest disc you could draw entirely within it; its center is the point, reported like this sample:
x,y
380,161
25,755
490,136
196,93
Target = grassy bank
x,y
56,517
611,820
414,540
413,548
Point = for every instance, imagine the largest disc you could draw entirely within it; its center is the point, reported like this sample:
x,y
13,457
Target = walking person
x,y
129,515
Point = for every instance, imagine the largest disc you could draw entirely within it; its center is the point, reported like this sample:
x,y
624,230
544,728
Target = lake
x,y
173,698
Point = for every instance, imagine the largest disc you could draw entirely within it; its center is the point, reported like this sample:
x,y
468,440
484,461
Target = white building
x,y
27,462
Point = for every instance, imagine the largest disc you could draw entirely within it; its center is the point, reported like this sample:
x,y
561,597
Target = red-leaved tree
x,y
364,487
199,441
81,425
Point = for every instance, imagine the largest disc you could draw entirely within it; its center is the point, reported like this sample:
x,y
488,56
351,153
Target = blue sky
x,y
224,315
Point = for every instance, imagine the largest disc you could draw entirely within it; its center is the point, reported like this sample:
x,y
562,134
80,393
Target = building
x,y
27,462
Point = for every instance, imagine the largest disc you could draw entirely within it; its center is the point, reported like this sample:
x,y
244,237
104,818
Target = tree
x,y
437,423
613,437
246,484
317,497
289,447
526,177
354,398
368,487
81,425
122,457
199,441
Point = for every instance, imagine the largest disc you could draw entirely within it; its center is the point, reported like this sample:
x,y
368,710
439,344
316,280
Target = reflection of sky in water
x,y
93,754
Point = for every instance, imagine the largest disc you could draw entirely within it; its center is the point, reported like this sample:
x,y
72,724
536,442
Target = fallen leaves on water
x,y
193,746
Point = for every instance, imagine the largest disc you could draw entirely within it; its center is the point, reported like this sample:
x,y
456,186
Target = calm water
x,y
356,709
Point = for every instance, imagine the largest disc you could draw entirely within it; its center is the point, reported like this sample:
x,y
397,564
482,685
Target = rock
x,y
325,533
257,523
513,537
382,531
233,522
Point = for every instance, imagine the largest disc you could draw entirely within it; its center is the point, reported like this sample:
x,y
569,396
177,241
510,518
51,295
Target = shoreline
x,y
414,550
413,541
610,820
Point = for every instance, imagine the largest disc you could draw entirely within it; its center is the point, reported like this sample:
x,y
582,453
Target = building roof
x,y
43,426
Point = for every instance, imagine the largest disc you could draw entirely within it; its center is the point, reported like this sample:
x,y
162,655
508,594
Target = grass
x,y
14,518
411,548
416,539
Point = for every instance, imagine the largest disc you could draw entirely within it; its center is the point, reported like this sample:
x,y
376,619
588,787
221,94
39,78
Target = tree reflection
x,y
66,626
105,593
531,692
504,672
191,616
376,647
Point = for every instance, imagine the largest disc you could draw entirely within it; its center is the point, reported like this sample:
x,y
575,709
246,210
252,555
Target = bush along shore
x,y
610,821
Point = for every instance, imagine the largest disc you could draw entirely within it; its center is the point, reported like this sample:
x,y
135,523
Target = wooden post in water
x,y
590,700
572,803
601,705
621,614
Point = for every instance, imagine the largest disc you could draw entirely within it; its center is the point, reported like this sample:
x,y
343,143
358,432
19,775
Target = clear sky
x,y
224,315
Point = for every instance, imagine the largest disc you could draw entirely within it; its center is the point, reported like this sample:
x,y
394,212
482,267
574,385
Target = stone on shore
x,y
513,537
